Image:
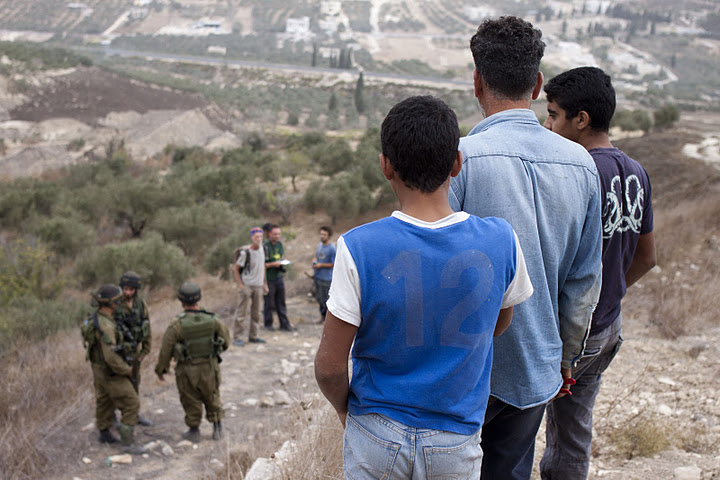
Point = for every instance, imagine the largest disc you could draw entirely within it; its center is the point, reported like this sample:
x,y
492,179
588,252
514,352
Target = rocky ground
x,y
657,415
263,387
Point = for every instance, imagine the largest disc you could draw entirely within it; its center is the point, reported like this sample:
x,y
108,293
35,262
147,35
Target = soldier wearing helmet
x,y
134,319
195,339
112,371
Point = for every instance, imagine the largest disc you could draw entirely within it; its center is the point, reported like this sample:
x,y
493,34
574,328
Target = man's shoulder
x,y
527,142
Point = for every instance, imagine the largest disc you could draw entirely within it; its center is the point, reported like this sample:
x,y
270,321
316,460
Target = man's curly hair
x,y
507,54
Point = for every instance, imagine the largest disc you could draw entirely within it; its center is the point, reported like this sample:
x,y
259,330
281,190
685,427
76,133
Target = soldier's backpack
x,y
87,330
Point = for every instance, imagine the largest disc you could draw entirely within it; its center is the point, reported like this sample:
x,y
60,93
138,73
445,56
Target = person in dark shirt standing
x,y
275,299
581,103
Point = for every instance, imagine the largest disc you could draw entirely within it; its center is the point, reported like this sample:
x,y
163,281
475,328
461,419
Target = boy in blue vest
x,y
421,294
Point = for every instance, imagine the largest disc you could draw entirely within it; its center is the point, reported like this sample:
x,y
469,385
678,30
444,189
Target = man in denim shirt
x,y
548,189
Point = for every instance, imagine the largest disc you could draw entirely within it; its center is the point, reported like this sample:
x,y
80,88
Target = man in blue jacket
x,y
547,188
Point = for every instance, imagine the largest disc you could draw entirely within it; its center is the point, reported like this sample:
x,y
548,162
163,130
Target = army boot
x,y
144,421
107,437
193,434
126,438
217,430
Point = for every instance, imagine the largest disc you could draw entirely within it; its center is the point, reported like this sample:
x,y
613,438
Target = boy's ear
x,y
457,166
582,120
386,167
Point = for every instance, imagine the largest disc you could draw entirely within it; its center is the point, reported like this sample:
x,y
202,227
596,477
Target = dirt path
x,y
256,414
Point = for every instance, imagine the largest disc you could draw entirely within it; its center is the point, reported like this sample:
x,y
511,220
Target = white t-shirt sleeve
x,y
344,299
520,288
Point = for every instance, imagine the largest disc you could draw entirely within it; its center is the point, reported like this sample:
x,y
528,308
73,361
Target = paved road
x,y
214,60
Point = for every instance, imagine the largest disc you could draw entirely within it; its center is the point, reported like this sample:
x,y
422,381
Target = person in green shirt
x,y
275,298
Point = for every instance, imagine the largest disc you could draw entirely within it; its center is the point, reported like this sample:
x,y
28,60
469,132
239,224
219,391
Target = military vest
x,y
198,333
133,323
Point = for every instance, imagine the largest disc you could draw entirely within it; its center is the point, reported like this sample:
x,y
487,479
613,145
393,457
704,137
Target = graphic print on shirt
x,y
623,212
407,265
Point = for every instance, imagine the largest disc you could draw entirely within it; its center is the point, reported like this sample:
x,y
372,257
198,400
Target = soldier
x,y
195,339
111,370
134,319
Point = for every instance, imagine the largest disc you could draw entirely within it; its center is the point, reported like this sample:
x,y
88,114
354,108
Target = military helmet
x,y
107,294
189,293
130,279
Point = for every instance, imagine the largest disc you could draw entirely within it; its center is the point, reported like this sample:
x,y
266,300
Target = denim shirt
x,y
548,189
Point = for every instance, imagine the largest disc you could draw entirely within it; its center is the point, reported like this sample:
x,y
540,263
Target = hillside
x,y
657,415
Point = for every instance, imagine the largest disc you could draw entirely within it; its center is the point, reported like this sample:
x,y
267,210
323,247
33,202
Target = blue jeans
x,y
376,447
508,440
569,419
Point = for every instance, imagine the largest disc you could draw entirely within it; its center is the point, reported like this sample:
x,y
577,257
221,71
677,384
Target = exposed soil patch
x,y
89,94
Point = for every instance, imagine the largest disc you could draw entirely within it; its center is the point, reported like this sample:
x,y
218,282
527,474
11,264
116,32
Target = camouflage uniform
x,y
111,375
137,320
198,379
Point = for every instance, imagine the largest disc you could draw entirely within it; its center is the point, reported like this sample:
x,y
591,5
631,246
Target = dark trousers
x,y
322,290
275,300
508,440
570,418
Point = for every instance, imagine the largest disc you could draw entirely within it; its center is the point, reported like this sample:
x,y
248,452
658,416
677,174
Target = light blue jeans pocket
x,y
377,447
452,461
365,455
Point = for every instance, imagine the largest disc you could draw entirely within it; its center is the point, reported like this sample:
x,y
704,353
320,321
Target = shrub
x,y
76,144
342,197
641,438
666,116
630,120
26,198
27,270
35,319
66,236
332,157
195,227
158,263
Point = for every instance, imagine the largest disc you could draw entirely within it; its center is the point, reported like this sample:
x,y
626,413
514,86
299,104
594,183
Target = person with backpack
x,y
249,273
133,317
112,370
195,339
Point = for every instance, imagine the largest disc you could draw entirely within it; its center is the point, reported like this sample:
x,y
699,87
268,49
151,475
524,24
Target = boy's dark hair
x,y
327,229
272,227
584,88
266,227
507,54
420,137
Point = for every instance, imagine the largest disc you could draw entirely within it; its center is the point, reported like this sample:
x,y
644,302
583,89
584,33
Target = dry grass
x,y
684,296
641,437
43,386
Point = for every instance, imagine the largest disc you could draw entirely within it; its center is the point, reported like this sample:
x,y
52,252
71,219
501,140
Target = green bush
x,y
35,319
158,263
27,270
66,236
632,120
666,116
24,199
344,196
332,157
195,227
